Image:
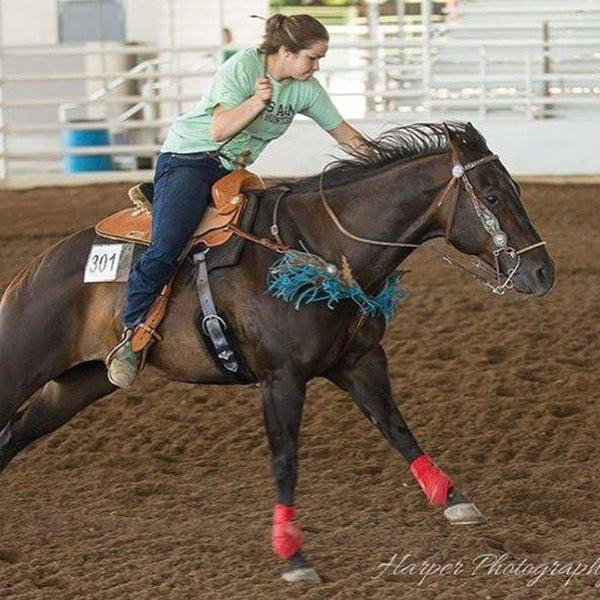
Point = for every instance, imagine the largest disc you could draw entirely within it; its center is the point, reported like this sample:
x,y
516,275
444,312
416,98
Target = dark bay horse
x,y
367,213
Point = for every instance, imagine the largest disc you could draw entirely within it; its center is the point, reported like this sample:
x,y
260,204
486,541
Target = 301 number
x,y
100,263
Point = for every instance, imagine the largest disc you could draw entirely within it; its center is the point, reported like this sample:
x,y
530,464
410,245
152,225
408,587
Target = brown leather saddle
x,y
135,224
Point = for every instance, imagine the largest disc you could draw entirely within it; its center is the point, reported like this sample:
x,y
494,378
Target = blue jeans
x,y
182,184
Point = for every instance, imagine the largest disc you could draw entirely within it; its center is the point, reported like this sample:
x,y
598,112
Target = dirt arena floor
x,y
164,492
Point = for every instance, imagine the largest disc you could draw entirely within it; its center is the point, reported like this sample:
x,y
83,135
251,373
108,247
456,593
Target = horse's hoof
x,y
464,513
307,574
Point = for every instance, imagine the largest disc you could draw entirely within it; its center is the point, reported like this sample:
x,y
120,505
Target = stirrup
x,y
123,371
125,337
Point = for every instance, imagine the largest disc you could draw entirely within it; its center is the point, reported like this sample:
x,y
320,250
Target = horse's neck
x,y
395,204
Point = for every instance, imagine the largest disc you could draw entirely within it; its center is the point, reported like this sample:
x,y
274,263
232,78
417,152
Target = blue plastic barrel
x,y
77,138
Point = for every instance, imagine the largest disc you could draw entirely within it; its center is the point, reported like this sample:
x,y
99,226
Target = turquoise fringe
x,y
303,278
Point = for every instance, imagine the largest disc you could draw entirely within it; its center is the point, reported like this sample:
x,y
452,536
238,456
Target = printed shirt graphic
x,y
232,84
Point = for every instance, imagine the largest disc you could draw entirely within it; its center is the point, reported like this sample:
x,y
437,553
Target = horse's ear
x,y
475,137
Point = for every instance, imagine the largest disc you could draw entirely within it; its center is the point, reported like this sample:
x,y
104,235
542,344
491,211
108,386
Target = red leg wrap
x,y
434,482
287,536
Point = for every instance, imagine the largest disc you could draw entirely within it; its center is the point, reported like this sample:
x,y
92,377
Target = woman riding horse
x,y
252,100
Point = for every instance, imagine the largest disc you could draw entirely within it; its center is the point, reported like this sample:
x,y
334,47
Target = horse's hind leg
x,y
52,406
368,383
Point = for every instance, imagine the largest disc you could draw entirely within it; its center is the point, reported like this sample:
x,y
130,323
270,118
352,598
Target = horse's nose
x,y
545,277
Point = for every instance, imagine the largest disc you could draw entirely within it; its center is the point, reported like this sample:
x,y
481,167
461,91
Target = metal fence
x,y
48,94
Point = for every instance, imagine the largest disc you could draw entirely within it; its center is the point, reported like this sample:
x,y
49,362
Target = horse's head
x,y
483,215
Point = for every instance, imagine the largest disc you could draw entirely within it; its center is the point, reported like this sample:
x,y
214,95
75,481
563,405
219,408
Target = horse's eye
x,y
491,199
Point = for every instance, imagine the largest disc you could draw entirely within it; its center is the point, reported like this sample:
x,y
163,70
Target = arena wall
x,y
527,148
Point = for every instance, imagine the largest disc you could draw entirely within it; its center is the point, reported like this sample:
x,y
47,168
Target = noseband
x,y
486,217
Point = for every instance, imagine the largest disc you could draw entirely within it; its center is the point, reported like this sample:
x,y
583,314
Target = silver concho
x,y
500,239
457,171
331,269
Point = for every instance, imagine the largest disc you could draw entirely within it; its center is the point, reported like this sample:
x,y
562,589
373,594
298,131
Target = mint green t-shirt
x,y
232,84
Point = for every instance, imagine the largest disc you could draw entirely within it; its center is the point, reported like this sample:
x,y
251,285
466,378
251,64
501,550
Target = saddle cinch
x,y
135,225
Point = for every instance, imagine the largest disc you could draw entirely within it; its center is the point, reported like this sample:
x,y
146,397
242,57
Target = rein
x,y
486,217
347,233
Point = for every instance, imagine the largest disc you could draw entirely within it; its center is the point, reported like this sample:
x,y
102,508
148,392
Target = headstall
x,y
488,221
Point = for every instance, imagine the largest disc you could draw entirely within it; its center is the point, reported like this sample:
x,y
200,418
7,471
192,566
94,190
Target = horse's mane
x,y
397,144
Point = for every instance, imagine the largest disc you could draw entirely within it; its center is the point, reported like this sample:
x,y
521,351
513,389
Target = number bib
x,y
108,262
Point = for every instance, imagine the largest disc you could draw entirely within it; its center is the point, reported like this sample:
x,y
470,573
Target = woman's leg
x,y
182,186
181,194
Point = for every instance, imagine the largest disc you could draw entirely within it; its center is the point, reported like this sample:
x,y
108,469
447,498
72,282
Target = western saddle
x,y
216,228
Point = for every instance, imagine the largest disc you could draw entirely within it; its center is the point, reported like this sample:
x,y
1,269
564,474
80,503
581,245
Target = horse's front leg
x,y
282,399
367,381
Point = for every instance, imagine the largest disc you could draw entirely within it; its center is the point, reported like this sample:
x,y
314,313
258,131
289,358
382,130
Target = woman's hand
x,y
227,122
345,135
263,89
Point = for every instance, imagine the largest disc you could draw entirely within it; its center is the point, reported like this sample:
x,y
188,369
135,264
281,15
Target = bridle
x,y
486,217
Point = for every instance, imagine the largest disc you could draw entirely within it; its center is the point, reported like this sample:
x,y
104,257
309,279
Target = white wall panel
x,y
550,148
24,22
197,22
141,17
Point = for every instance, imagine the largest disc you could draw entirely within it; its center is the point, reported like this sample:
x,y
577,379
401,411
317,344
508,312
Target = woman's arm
x,y
346,135
227,122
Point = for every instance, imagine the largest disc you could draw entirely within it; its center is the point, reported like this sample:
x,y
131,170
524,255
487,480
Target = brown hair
x,y
295,32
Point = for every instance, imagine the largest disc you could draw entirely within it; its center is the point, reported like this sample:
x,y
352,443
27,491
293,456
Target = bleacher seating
x,y
507,50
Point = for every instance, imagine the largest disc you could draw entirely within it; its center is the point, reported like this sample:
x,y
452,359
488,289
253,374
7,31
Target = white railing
x,y
402,78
